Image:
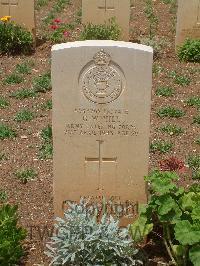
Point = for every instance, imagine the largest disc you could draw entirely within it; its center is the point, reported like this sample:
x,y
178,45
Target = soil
x,y
34,198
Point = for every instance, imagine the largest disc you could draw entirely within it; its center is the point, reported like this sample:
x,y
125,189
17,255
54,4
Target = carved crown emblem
x,y
101,58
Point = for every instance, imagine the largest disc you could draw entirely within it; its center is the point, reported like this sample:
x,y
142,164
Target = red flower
x,y
54,27
66,33
57,20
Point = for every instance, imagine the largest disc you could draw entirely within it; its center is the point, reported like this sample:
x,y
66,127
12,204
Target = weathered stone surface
x,y
101,121
188,20
22,12
100,11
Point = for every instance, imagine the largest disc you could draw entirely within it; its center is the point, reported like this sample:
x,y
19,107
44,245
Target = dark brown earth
x,y
35,197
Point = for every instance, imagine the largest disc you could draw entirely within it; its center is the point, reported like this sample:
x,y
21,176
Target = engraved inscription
x,y
101,122
102,82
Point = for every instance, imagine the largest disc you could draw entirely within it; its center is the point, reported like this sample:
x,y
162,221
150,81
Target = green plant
x,y
196,120
14,39
56,9
3,196
41,3
165,91
194,164
161,146
24,68
47,105
82,240
23,94
198,141
46,133
176,211
156,43
152,18
60,31
157,69
190,51
13,78
6,132
46,150
24,115
3,102
11,236
170,112
171,130
193,101
26,174
3,156
78,16
109,31
182,80
42,83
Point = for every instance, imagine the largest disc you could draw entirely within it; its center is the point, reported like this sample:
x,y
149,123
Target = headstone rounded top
x,y
102,43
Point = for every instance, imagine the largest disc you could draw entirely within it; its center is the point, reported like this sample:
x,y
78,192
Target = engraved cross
x,y
100,160
106,5
9,3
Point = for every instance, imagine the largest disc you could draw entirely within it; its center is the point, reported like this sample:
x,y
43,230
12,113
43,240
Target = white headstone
x,y
100,11
22,12
188,20
101,120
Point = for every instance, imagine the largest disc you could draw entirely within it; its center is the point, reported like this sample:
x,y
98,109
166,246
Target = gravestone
x,y
188,21
101,121
22,12
100,11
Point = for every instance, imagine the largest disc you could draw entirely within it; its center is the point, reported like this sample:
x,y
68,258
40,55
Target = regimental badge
x,y
102,81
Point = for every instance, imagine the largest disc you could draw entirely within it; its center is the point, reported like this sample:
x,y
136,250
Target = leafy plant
x,y
190,51
13,78
176,211
11,236
46,150
47,105
24,68
42,83
3,196
3,156
172,130
170,112
23,94
156,43
82,240
24,115
41,3
3,102
161,146
56,9
194,164
152,18
198,141
165,91
109,31
196,119
157,69
14,39
6,132
26,174
193,101
60,31
182,80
